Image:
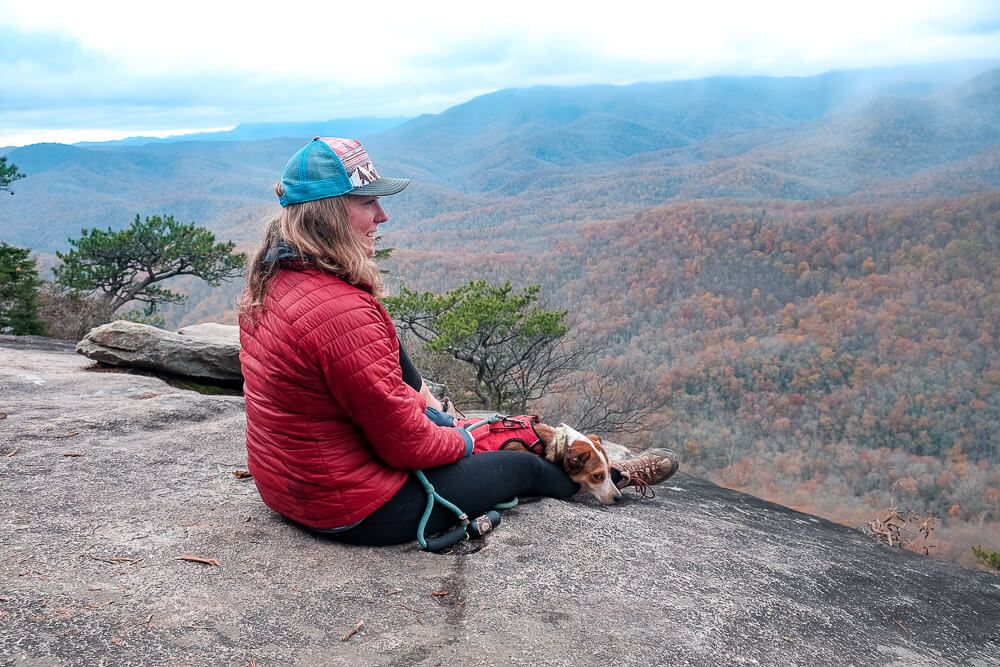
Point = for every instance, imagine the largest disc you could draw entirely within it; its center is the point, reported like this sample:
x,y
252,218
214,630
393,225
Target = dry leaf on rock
x,y
73,454
242,474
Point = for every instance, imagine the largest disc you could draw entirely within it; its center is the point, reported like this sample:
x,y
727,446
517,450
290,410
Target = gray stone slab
x,y
698,575
204,352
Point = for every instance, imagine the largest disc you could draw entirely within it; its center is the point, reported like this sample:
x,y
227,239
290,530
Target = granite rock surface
x,y
109,479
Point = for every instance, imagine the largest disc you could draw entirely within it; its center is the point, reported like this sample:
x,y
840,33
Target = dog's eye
x,y
598,476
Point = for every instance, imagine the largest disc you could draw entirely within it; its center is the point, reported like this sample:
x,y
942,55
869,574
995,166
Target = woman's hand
x,y
429,397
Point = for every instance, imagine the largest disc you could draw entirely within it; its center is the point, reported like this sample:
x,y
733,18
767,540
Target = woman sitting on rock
x,y
334,425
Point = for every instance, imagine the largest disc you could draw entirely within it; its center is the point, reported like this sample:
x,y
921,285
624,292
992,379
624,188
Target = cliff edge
x,y
107,479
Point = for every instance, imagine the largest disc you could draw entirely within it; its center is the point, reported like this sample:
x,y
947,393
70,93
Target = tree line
x,y
836,357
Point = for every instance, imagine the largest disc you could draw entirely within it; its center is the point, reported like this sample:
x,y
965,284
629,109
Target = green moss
x,y
208,389
991,558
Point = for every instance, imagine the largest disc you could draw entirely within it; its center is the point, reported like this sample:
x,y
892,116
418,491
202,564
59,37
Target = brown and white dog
x,y
582,457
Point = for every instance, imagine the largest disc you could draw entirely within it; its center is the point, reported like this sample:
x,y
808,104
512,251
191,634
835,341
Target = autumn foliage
x,y
833,356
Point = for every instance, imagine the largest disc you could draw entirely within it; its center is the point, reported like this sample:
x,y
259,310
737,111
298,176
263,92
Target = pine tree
x,y
8,174
129,265
512,345
19,285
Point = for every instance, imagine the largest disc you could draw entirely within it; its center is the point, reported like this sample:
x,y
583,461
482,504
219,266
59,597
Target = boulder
x,y
126,539
204,351
222,334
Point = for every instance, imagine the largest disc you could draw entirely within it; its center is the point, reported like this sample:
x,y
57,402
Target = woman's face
x,y
364,215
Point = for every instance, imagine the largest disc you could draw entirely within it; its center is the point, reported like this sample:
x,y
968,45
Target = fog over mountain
x,y
612,147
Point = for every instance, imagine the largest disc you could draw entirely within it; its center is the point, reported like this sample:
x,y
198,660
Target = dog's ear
x,y
596,439
575,459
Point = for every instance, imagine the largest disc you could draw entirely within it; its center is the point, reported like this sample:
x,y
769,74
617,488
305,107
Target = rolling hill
x,y
587,152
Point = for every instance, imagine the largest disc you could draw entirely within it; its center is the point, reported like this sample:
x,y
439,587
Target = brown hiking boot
x,y
652,467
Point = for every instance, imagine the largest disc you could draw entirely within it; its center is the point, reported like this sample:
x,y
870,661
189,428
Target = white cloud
x,y
74,135
217,63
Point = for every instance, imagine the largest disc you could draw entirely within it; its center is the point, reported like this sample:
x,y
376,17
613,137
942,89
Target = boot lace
x,y
639,472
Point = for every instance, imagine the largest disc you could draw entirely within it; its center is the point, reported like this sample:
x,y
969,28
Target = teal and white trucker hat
x,y
330,167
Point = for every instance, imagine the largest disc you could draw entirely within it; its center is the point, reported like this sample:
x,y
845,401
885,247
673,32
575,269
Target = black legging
x,y
475,484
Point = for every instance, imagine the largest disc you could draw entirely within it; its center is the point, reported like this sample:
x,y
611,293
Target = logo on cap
x,y
355,159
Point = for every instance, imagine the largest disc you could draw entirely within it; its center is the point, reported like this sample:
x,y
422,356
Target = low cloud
x,y
75,70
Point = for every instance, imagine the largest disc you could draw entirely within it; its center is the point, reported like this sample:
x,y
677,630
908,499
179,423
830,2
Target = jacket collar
x,y
284,256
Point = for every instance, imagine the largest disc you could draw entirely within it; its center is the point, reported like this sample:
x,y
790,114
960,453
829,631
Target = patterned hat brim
x,y
382,187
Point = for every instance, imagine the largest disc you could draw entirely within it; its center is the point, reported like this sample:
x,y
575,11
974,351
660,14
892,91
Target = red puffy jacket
x,y
332,429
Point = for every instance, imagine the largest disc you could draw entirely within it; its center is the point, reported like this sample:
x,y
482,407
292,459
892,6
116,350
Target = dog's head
x,y
587,464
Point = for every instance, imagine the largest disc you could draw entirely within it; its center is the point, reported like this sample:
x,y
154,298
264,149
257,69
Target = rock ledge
x,y
108,478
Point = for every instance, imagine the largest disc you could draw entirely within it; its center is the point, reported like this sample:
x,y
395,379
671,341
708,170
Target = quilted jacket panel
x,y
332,429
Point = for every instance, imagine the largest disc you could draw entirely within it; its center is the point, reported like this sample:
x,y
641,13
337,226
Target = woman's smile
x,y
364,215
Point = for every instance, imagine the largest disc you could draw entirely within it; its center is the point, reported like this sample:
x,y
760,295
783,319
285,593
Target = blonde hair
x,y
318,232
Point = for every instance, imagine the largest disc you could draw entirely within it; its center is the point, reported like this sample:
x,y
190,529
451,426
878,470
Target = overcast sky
x,y
75,71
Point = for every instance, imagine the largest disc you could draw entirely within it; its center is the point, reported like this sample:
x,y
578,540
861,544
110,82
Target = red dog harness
x,y
493,433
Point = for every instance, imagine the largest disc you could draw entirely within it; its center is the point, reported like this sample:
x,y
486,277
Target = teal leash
x,y
453,536
479,527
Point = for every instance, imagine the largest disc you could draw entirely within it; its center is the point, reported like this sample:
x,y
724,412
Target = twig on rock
x,y
415,611
198,559
117,559
353,631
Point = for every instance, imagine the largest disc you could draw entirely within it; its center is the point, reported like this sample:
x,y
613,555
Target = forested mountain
x,y
524,129
71,187
591,151
804,273
834,356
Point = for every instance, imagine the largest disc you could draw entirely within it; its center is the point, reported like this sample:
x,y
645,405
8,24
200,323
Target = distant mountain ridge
x,y
340,127
586,151
560,126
